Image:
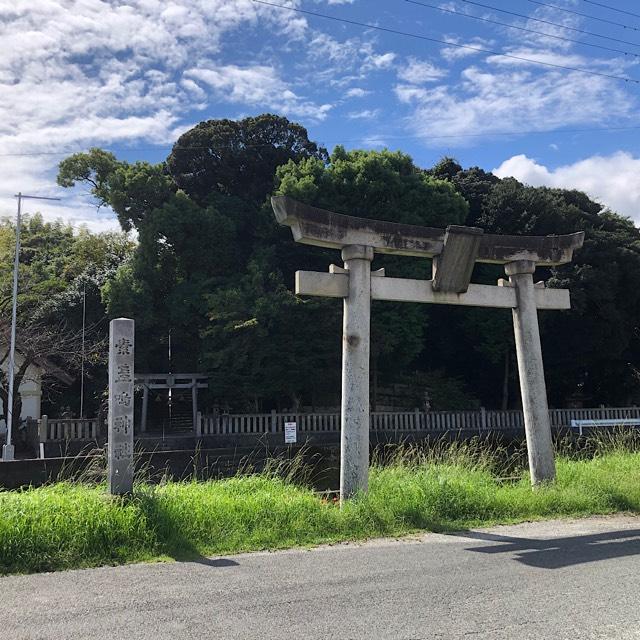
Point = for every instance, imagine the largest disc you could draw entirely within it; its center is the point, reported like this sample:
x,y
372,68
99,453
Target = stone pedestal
x,y
8,452
354,438
531,372
120,422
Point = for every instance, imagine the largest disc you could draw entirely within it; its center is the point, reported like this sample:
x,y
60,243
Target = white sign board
x,y
290,433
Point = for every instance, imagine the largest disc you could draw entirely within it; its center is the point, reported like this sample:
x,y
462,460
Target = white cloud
x,y
409,93
75,73
562,26
487,102
464,49
340,64
612,180
374,142
381,60
366,114
29,174
324,46
536,56
257,85
356,92
420,71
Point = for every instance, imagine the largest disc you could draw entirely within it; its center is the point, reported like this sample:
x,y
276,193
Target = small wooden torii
x,y
170,381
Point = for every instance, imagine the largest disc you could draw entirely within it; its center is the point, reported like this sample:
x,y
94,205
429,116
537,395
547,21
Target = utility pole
x,y
84,319
8,449
170,385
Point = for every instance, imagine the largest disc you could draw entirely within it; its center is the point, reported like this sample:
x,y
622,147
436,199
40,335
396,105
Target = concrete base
x,y
8,452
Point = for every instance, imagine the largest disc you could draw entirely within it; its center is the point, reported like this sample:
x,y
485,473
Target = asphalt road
x,y
563,580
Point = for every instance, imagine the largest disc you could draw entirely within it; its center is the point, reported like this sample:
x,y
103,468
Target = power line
x,y
517,132
608,6
554,24
521,133
584,15
513,26
448,44
154,148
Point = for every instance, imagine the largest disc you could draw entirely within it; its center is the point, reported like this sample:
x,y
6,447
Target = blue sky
x,y
131,76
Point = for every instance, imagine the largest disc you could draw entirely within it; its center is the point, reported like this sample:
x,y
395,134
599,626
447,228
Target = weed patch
x,y
67,525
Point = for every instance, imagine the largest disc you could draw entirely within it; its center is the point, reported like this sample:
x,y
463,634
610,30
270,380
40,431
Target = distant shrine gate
x,y
454,253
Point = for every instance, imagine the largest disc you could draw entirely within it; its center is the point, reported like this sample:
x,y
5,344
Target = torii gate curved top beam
x,y
319,227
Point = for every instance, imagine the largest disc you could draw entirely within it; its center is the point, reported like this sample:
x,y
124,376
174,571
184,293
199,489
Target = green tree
x,y
474,184
388,186
213,267
590,352
184,252
237,157
269,348
59,269
133,191
201,222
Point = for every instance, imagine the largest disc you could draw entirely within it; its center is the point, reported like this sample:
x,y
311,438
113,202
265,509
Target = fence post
x,y
483,418
43,432
274,421
198,424
215,427
416,419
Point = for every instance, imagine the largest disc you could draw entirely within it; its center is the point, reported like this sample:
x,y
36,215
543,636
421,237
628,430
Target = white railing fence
x,y
61,429
55,430
432,421
226,423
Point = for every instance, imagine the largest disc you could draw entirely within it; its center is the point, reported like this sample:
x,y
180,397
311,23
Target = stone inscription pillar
x,y
354,432
531,372
120,421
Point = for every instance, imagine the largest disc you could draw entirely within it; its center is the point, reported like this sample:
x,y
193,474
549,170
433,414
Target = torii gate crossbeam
x,y
454,252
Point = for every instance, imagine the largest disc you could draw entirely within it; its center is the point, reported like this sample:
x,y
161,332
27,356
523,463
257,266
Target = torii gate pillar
x,y
354,421
531,372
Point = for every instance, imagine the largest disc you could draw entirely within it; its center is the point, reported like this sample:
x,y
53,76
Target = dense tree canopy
x,y
237,157
212,267
590,352
382,185
61,273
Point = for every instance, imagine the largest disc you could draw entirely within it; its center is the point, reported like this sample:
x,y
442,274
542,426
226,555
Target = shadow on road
x,y
555,553
216,562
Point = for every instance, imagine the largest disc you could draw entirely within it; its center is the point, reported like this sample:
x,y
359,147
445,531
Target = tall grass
x,y
449,486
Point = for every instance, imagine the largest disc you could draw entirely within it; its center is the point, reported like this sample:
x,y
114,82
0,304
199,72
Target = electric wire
x,y
584,15
367,25
608,6
554,24
515,132
513,26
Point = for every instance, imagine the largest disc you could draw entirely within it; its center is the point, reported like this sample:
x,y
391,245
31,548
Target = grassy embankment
x,y
452,487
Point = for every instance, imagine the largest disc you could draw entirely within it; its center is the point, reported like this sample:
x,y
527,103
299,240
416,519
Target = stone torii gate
x,y
454,253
